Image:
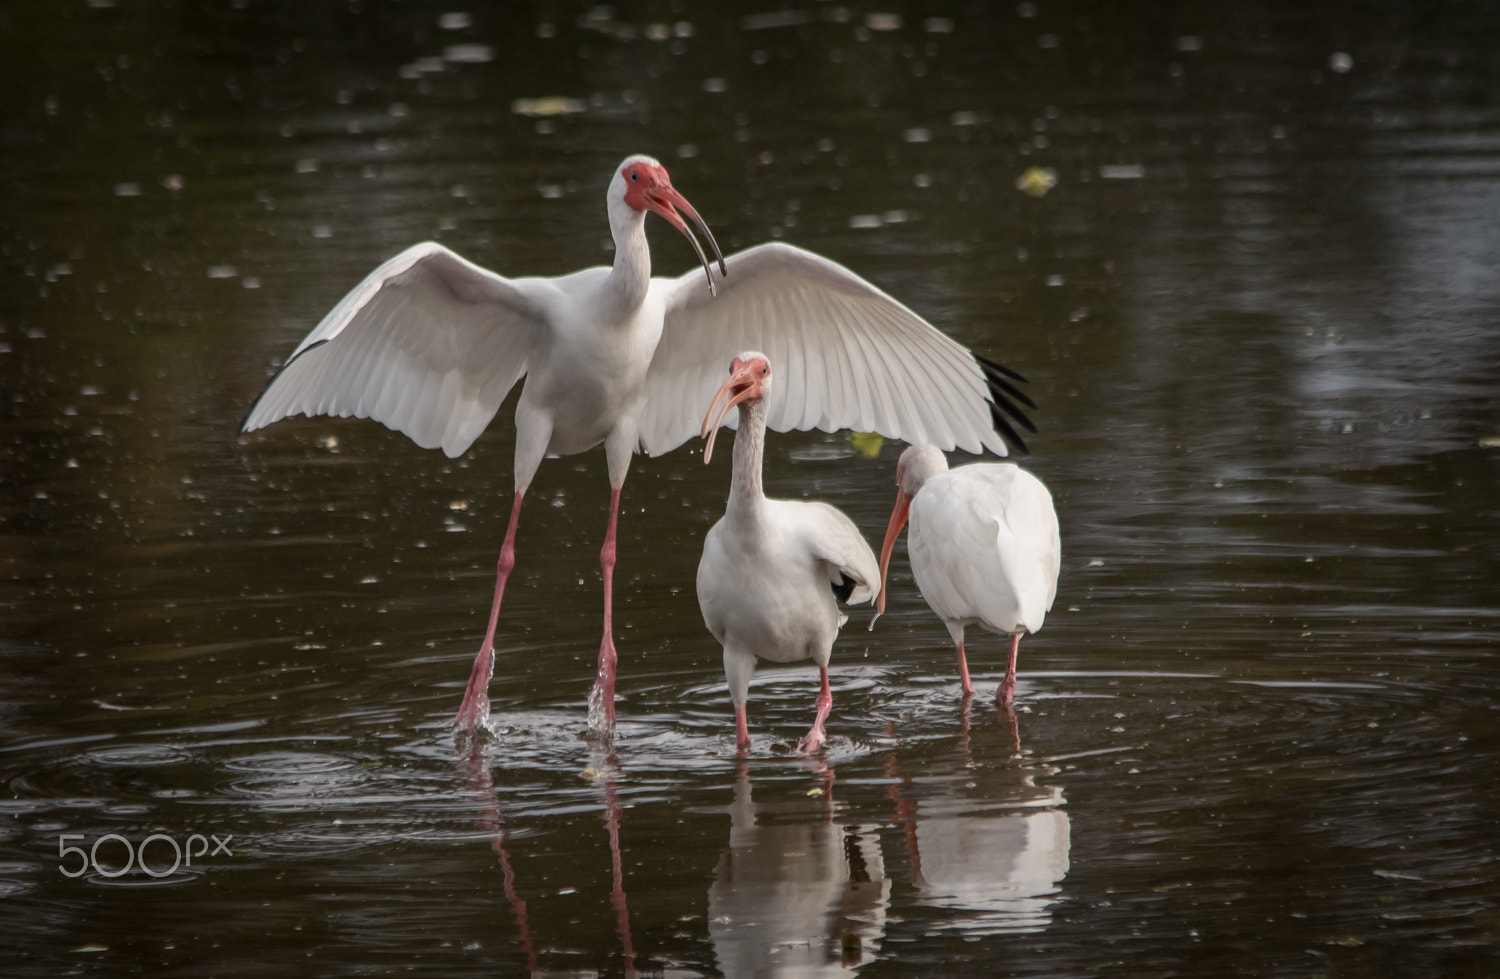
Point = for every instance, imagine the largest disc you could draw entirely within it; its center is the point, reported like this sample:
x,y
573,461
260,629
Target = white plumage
x,y
984,547
430,344
772,570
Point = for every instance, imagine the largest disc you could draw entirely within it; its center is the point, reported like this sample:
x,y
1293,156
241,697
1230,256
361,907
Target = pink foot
x,y
1006,695
814,739
476,702
1007,692
602,697
812,742
742,731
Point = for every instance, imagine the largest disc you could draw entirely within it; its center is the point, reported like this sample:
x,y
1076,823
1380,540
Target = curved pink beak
x,y
892,531
666,201
743,384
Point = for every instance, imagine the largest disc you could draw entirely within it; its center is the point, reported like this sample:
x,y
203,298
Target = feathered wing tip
x,y
1003,398
245,426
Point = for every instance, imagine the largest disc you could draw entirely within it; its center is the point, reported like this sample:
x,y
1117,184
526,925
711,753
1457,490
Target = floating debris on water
x,y
1036,181
548,105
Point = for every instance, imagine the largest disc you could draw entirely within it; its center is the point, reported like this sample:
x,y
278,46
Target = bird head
x,y
917,464
643,184
749,380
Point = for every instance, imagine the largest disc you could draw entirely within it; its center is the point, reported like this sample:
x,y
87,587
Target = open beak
x,y
741,386
892,531
664,200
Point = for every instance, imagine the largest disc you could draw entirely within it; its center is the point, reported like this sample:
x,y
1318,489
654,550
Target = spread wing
x,y
846,355
429,344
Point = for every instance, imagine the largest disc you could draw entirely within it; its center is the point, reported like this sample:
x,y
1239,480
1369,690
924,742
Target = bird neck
x,y
630,277
745,494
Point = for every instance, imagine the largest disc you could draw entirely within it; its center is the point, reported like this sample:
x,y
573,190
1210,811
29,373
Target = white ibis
x,y
773,571
984,548
430,344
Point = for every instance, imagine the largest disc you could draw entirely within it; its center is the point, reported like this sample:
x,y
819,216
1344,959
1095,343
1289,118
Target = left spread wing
x,y
845,355
429,344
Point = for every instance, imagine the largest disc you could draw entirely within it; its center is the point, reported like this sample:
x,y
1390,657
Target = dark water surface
x,y
1259,734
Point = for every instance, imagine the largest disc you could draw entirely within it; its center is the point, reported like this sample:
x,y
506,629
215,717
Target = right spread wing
x,y
846,355
429,344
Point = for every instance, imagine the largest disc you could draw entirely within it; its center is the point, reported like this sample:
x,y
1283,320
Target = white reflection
x,y
1006,869
985,842
795,893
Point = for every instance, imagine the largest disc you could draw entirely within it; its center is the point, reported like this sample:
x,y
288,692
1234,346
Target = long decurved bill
x,y
664,200
740,386
892,531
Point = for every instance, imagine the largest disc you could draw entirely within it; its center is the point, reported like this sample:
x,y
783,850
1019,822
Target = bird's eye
x,y
764,371
634,175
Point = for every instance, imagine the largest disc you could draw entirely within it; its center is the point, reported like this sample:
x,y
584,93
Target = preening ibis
x,y
430,344
773,571
983,545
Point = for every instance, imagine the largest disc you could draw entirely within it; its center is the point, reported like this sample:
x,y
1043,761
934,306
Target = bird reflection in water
x,y
984,838
795,893
479,776
604,768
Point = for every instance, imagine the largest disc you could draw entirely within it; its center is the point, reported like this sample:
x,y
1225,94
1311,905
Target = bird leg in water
x,y
742,730
476,702
963,671
814,739
1007,691
602,699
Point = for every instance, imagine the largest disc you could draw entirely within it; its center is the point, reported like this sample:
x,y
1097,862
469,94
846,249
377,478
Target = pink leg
x,y
742,729
1007,691
476,702
602,699
963,671
814,739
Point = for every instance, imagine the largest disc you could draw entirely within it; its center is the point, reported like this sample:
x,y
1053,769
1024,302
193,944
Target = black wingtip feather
x,y
1003,398
1007,432
995,375
843,588
1001,369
